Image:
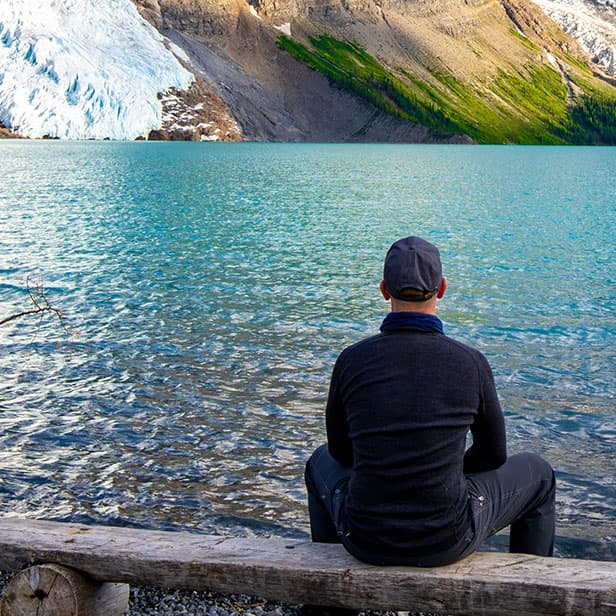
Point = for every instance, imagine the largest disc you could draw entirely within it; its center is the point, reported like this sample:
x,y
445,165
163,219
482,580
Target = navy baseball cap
x,y
412,270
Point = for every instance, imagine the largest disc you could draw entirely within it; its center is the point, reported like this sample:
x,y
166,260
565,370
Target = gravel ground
x,y
157,602
146,601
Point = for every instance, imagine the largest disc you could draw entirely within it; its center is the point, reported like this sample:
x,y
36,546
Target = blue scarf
x,y
412,320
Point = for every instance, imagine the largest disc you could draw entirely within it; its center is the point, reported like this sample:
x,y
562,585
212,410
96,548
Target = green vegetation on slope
x,y
349,66
595,119
529,106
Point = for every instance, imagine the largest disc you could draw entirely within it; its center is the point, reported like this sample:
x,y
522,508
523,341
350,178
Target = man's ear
x,y
442,288
384,291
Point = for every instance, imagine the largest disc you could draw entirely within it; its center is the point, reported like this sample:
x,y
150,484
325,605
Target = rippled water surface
x,y
207,289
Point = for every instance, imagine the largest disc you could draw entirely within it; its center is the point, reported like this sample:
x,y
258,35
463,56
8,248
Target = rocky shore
x,y
162,602
5,133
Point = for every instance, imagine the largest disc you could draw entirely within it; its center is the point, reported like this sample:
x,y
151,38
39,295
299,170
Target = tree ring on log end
x,y
54,590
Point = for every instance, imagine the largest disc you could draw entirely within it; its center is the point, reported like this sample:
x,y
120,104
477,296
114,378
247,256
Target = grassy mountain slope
x,y
530,86
531,104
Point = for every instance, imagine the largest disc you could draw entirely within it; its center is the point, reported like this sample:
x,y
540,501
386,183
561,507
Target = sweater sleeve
x,y
338,441
489,448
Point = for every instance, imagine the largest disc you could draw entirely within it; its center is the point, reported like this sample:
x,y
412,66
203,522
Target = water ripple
x,y
207,292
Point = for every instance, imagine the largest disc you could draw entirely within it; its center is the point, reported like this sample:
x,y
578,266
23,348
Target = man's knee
x,y
540,474
317,454
537,466
536,461
314,462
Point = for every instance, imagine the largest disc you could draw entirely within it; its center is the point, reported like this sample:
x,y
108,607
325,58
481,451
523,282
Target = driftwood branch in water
x,y
39,302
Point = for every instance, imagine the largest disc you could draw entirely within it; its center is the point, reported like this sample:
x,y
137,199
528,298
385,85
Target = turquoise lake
x,y
208,288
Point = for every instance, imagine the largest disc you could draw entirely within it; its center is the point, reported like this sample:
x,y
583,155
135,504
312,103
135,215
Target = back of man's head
x,y
412,270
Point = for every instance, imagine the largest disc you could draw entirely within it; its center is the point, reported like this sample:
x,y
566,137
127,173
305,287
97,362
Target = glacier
x,y
592,23
82,69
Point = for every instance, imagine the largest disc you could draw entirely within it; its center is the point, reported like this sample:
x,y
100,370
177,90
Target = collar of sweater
x,y
412,320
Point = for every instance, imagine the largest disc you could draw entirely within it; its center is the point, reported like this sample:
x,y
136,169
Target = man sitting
x,y
396,483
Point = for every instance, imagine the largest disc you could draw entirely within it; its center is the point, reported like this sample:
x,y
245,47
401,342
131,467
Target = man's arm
x,y
338,441
489,448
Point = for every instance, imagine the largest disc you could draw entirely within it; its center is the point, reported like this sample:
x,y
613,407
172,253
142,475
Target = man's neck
x,y
428,307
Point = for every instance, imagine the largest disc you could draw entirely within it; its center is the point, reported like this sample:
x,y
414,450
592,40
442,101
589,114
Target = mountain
x,y
395,70
310,70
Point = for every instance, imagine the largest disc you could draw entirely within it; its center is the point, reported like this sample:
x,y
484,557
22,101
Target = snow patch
x,y
82,69
253,11
178,52
284,28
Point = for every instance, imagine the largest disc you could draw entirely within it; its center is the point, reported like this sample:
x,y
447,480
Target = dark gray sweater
x,y
399,409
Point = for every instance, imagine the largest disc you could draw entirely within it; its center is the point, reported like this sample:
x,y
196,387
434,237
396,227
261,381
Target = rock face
x,y
318,9
275,98
203,18
5,133
232,46
196,114
150,9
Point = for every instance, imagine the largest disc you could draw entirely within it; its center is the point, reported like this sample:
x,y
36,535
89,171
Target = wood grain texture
x,y
302,572
54,590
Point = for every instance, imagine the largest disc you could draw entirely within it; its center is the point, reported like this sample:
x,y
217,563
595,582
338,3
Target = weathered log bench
x,y
299,572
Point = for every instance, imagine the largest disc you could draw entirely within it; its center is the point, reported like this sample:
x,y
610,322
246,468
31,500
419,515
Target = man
x,y
395,482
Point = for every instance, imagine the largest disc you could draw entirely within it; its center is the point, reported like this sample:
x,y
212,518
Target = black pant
x,y
520,494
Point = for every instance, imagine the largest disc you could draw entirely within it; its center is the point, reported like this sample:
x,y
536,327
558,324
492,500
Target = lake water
x,y
208,288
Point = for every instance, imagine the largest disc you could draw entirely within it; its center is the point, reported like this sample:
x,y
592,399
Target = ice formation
x,y
592,23
82,69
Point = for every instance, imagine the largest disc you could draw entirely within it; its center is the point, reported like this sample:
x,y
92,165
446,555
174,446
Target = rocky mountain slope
x,y
310,70
486,64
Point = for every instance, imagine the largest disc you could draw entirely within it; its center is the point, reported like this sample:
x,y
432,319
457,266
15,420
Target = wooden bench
x,y
299,572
